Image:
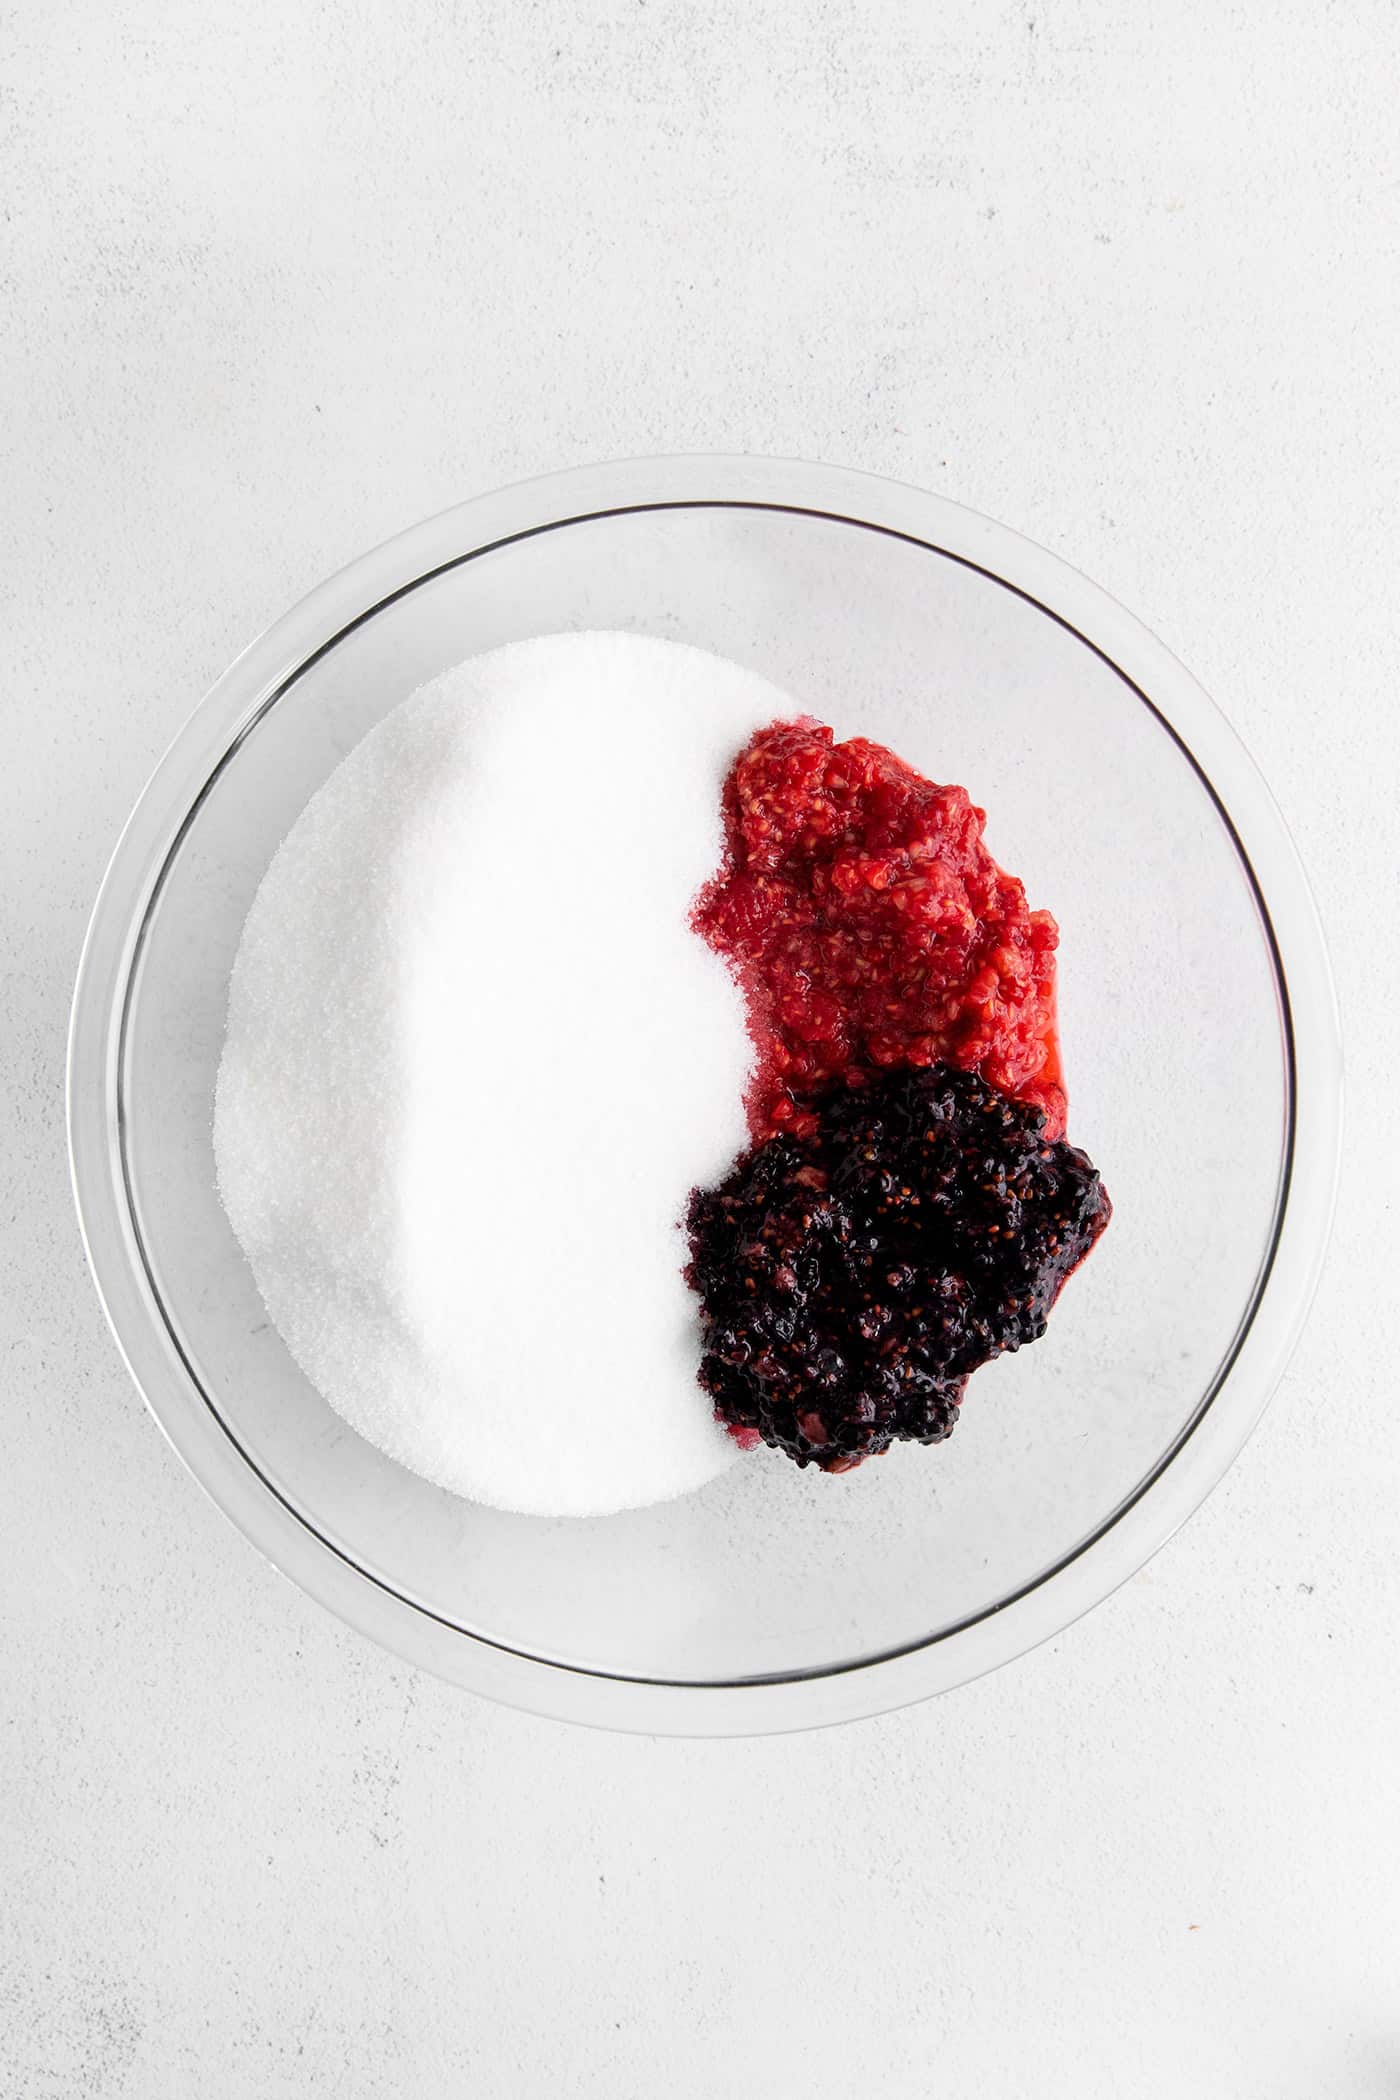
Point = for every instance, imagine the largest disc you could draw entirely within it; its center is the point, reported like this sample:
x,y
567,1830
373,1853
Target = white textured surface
x,y
280,278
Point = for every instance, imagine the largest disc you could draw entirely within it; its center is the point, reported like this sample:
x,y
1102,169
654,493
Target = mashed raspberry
x,y
870,928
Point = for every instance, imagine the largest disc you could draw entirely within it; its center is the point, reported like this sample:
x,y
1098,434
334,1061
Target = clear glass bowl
x,y
1200,1042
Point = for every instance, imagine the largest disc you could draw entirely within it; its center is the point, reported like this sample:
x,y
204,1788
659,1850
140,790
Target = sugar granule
x,y
477,1059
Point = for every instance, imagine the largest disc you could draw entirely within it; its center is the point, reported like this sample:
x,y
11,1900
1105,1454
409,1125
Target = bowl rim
x,y
1270,1326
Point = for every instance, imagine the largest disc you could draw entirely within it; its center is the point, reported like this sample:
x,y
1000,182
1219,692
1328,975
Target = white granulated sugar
x,y
476,1060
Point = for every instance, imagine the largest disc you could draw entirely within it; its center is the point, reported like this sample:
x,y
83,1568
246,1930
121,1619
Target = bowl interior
x,y
1174,1050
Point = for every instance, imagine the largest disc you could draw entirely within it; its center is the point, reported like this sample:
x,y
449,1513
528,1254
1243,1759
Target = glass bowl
x,y
1200,1045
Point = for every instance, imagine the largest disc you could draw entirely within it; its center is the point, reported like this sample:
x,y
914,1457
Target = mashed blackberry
x,y
852,1279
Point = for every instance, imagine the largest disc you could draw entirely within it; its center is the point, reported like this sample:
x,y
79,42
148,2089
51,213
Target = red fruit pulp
x,y
869,927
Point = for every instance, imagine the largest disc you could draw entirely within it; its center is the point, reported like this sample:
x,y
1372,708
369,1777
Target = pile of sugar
x,y
476,1060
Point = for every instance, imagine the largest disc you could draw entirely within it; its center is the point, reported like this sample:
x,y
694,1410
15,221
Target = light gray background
x,y
279,278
